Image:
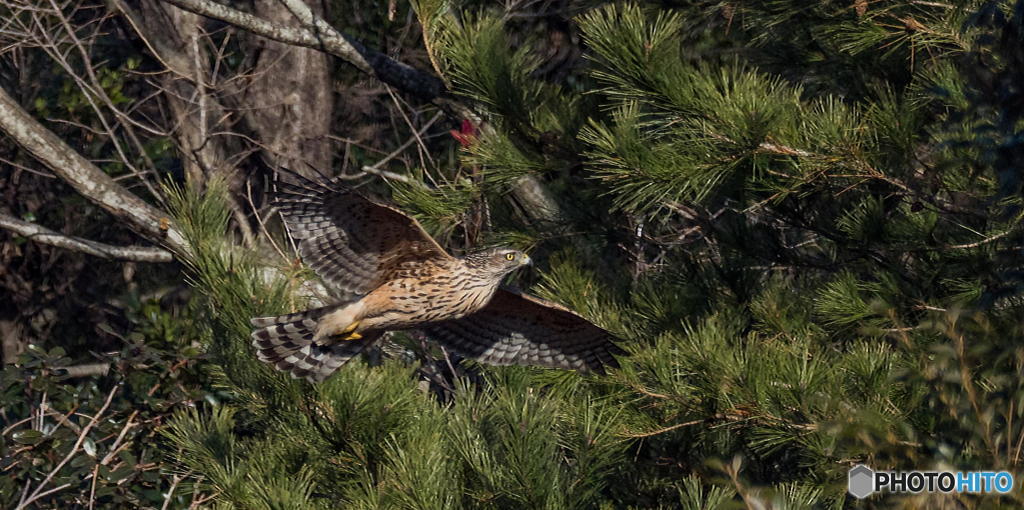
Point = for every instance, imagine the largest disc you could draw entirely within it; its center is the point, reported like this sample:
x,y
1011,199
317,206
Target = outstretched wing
x,y
352,242
518,329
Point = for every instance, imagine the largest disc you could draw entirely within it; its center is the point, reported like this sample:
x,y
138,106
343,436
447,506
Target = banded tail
x,y
286,342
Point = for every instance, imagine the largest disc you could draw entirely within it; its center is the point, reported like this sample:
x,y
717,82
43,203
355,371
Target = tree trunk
x,y
290,100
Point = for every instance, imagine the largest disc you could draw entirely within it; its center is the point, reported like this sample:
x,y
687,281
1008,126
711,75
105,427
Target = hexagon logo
x,y
861,481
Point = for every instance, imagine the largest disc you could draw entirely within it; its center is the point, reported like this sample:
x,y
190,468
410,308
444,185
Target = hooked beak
x,y
527,260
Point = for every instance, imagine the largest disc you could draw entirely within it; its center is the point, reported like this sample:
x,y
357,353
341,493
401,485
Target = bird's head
x,y
497,262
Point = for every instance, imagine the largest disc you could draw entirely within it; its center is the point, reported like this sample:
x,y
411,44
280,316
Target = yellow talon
x,y
349,333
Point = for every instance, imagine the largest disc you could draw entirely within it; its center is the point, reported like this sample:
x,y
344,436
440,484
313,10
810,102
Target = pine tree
x,y
803,218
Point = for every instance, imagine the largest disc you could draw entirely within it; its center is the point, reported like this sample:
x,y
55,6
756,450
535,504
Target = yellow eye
x,y
510,256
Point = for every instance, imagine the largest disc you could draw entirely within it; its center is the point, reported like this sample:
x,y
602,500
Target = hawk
x,y
387,274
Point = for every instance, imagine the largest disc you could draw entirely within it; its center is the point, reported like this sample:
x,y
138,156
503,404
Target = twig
x,y
932,4
170,492
385,174
92,488
116,447
983,241
417,136
36,494
47,493
248,238
408,122
198,502
15,425
27,169
260,222
63,418
668,429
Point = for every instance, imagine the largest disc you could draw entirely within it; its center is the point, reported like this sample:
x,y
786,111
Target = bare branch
x,y
320,35
44,235
373,170
984,241
118,443
168,497
85,177
84,370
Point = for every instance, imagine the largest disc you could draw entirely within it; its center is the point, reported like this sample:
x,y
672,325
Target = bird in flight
x,y
386,273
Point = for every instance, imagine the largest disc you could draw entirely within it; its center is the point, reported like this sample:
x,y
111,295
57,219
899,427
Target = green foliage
x,y
791,237
478,55
439,209
802,220
253,474
95,439
504,161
